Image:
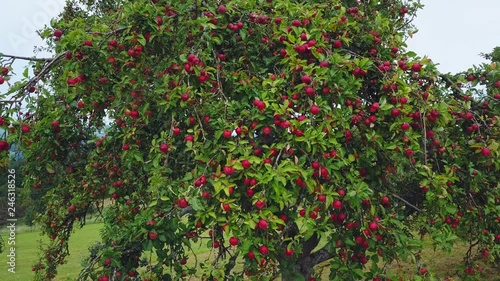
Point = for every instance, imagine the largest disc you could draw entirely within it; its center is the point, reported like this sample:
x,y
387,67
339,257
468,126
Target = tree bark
x,y
306,261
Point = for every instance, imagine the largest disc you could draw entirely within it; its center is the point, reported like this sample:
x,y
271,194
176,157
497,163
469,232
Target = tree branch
x,y
321,256
14,57
407,203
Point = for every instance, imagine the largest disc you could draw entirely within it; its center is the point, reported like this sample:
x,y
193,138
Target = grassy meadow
x,y
27,249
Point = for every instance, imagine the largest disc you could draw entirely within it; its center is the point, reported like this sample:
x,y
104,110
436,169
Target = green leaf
x,y
196,204
49,168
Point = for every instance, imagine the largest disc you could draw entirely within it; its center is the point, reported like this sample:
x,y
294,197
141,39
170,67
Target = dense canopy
x,y
280,134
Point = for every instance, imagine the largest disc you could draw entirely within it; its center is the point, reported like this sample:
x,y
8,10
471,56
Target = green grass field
x,y
27,246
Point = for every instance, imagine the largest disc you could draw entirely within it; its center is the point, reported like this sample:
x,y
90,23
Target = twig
x,y
407,203
25,58
276,162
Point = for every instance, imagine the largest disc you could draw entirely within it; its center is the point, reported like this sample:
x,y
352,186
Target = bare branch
x,y
407,203
14,57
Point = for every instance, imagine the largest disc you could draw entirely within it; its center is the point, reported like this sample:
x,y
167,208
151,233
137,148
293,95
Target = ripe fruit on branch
x,y
337,204
309,91
25,128
228,170
485,151
164,147
409,153
221,9
251,255
266,130
395,112
260,204
152,235
373,226
233,241
263,224
416,67
134,114
4,145
58,33
263,250
315,109
183,203
227,134
246,164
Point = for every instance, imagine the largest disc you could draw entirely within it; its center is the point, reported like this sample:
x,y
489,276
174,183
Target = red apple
x,y
416,67
337,204
183,203
260,204
233,241
395,112
25,128
263,224
251,255
263,250
306,79
164,147
227,134
4,145
266,130
221,9
152,235
373,226
246,164
228,170
58,33
134,114
486,151
315,109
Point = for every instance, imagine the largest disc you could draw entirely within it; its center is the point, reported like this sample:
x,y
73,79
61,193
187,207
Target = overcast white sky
x,y
452,33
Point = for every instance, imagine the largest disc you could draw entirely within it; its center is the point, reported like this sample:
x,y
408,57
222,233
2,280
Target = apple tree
x,y
278,134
